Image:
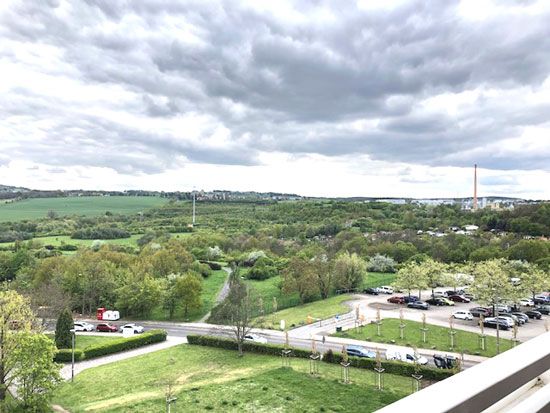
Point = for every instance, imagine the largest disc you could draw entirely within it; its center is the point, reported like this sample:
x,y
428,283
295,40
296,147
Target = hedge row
x,y
392,367
113,346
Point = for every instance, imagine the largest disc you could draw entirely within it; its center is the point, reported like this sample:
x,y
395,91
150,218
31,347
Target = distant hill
x,y
12,189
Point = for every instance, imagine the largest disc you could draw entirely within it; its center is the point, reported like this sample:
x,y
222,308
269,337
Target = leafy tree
x,y
381,263
63,335
411,277
300,277
492,285
188,289
534,280
31,364
323,271
139,295
529,250
15,318
349,271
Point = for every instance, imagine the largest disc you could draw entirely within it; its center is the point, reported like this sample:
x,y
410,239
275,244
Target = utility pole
x,y
193,207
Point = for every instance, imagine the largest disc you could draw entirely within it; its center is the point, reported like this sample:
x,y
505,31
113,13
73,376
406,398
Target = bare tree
x,y
237,310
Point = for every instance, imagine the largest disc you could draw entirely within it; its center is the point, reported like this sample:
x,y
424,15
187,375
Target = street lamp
x,y
73,332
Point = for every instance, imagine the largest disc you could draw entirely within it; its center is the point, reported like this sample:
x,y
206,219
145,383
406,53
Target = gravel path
x,y
100,361
221,295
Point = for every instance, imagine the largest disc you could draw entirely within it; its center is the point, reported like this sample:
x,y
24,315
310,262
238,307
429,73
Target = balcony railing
x,y
517,380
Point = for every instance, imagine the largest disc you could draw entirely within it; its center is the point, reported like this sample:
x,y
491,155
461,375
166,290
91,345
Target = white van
x,y
386,289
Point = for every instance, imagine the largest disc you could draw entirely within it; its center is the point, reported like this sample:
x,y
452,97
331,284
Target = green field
x,y
89,206
59,240
437,338
208,379
211,286
378,279
296,316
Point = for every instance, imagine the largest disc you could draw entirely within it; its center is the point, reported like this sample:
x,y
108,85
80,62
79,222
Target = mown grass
x,y
378,279
86,205
208,379
437,338
296,316
211,287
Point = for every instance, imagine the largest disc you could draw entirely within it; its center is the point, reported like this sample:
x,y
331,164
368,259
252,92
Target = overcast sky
x,y
328,98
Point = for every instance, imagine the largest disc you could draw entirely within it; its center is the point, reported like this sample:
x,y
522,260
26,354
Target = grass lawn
x,y
378,279
209,379
298,315
211,286
437,337
85,205
269,289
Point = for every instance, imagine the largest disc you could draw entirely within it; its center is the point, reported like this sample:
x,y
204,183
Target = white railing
x,y
516,377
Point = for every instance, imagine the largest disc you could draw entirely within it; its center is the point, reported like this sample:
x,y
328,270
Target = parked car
x,y
492,323
396,300
410,298
543,309
470,297
371,291
359,351
542,299
518,321
534,314
481,311
83,326
459,299
107,328
526,302
447,301
503,308
435,301
419,305
407,356
255,338
386,289
444,362
439,294
521,316
136,329
463,315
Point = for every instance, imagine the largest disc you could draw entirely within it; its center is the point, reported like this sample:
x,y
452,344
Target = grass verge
x,y
437,338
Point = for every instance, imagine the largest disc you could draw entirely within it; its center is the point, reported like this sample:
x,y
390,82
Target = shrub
x,y
124,344
381,263
65,355
392,367
100,233
213,265
63,335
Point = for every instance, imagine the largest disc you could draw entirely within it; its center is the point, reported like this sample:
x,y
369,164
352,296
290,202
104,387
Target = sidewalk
x,y
100,361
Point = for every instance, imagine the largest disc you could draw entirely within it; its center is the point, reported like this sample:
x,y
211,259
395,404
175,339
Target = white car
x,y
463,315
83,326
386,289
137,329
407,356
255,338
526,302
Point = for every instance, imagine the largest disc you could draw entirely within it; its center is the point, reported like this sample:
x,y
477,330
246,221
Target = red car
x,y
396,300
107,328
459,299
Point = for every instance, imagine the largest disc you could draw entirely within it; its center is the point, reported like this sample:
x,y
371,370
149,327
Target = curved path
x,y
221,295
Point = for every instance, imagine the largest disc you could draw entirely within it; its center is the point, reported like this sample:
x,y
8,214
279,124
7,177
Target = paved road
x,y
298,341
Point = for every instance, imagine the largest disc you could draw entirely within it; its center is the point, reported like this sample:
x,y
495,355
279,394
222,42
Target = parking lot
x,y
439,315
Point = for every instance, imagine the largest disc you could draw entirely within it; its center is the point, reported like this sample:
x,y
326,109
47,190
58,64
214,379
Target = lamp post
x,y
73,333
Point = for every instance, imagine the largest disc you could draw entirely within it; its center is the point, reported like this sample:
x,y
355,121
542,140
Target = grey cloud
x,y
298,84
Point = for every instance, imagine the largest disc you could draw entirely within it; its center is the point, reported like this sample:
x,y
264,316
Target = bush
x,y
124,344
213,265
392,367
65,355
381,263
100,233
